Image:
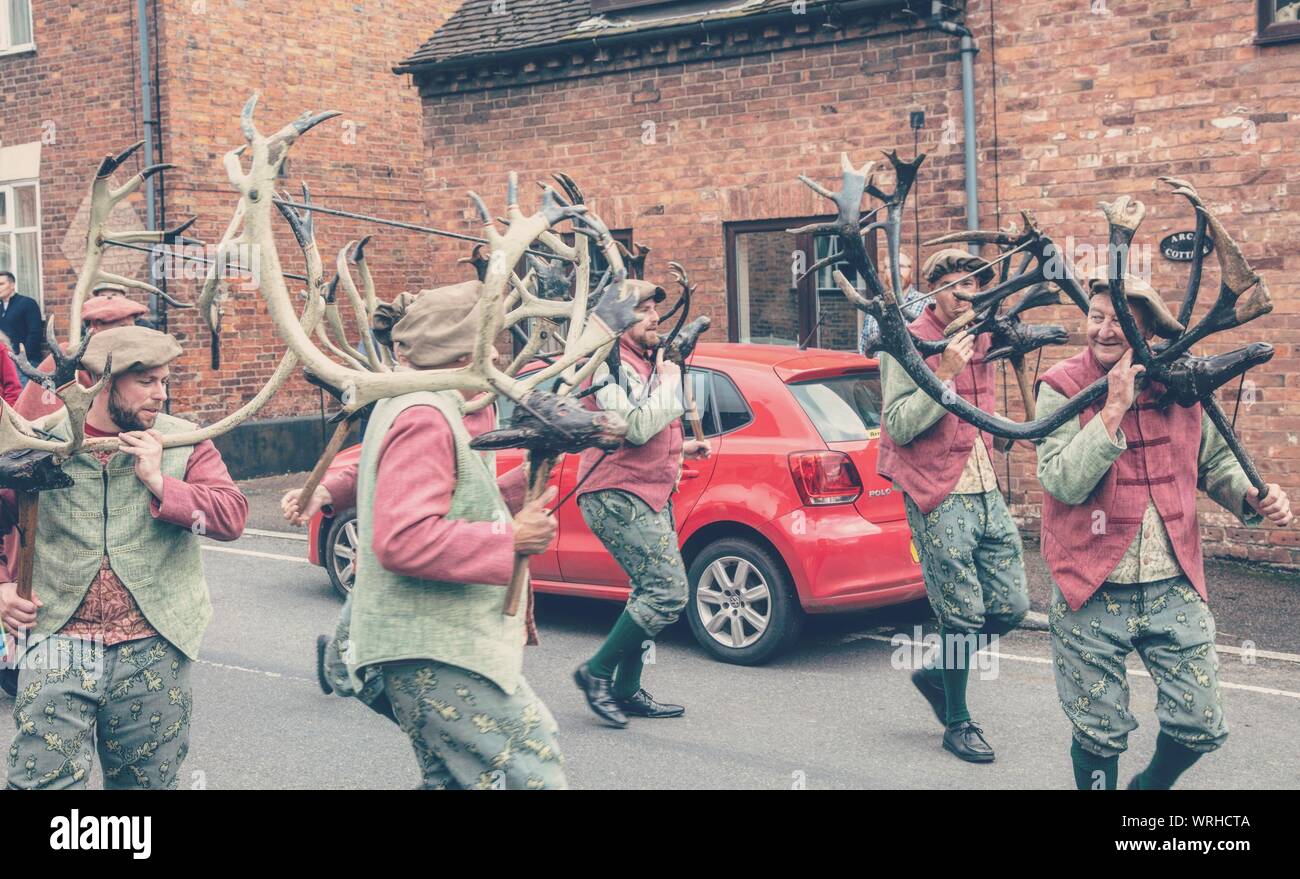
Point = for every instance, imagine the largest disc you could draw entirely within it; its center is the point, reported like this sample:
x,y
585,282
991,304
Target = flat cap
x,y
111,308
439,325
1138,290
955,260
644,290
132,348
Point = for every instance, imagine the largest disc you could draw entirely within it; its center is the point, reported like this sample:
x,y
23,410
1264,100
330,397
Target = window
x,y
597,269
733,411
719,403
767,301
1279,21
716,399
836,319
702,393
844,408
20,236
16,26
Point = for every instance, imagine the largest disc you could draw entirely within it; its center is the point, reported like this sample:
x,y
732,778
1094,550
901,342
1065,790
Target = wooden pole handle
x,y
692,413
518,581
326,457
28,509
1026,388
537,479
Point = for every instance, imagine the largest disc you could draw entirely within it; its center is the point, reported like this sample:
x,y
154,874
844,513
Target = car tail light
x,y
825,478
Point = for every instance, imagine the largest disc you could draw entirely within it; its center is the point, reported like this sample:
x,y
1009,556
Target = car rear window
x,y
843,408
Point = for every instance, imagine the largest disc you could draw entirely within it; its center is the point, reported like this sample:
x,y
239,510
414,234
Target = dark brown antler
x,y
65,365
1189,380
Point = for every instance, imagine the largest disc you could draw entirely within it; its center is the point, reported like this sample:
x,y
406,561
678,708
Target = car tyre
x,y
723,612
341,546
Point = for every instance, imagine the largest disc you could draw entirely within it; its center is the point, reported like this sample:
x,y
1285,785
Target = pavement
x,y
837,711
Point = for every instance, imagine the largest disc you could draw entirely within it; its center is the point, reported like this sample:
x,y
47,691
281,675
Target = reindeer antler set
x,y
364,374
1187,379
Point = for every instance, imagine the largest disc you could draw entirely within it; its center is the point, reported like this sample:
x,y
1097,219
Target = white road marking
x,y
256,554
1258,654
256,671
283,535
1221,648
1039,660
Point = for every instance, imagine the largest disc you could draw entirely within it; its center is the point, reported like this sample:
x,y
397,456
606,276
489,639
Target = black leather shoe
x,y
934,695
600,696
966,740
322,644
642,704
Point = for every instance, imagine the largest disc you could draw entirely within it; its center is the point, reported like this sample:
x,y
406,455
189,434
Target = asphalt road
x,y
836,712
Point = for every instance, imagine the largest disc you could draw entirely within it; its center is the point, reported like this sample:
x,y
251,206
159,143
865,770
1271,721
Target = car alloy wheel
x,y
343,541
734,602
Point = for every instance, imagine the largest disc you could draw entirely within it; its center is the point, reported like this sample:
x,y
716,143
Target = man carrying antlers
x,y
625,501
1120,536
109,308
423,638
119,604
971,554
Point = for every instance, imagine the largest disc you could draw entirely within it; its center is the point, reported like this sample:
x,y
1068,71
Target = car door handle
x,y
689,474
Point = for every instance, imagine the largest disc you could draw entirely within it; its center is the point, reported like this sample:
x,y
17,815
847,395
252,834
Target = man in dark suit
x,y
20,320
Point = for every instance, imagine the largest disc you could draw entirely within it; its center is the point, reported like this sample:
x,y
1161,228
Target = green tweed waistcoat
x,y
106,512
395,617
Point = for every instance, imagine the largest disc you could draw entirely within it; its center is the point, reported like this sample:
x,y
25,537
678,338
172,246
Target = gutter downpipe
x,y
968,50
150,127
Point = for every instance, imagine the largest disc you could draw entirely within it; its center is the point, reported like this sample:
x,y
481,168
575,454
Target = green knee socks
x,y
953,666
624,642
627,677
1171,759
1092,772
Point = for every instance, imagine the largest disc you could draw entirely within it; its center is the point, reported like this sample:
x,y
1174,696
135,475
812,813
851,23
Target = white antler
x,y
360,387
103,198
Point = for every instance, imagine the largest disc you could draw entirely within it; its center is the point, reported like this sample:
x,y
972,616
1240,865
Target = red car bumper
x,y
841,561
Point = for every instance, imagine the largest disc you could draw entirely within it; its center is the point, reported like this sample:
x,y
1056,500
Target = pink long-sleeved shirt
x,y
413,489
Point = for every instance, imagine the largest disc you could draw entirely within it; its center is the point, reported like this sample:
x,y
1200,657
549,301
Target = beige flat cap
x,y
439,325
1139,290
132,348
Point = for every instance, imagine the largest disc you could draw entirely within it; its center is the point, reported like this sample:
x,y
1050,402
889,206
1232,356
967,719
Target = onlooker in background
x,y
911,303
107,308
10,387
20,320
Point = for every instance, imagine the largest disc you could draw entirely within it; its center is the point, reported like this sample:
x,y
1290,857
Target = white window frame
x,y
5,47
9,229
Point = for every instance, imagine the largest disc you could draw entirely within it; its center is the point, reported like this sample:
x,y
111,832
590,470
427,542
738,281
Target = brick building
x,y
686,123
71,92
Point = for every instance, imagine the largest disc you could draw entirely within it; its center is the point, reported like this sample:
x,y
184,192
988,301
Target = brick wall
x,y
77,96
676,143
337,54
678,149
676,139
1092,105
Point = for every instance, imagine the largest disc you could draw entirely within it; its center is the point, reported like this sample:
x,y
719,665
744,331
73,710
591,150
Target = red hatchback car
x,y
786,517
